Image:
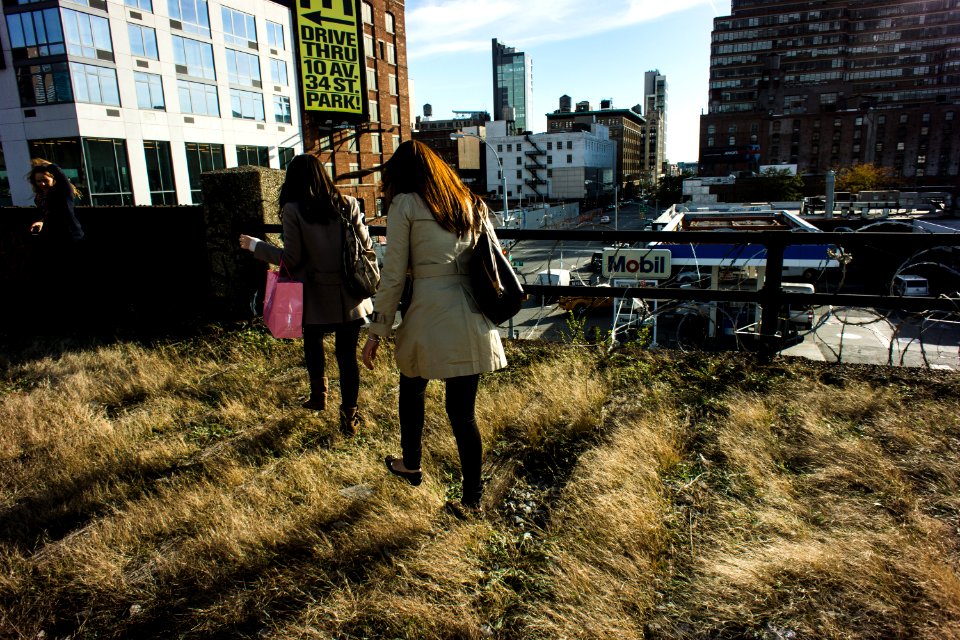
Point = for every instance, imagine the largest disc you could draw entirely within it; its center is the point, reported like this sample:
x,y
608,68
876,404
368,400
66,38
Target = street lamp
x,y
503,174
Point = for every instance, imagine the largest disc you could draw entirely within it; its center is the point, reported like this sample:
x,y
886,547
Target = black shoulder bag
x,y
496,288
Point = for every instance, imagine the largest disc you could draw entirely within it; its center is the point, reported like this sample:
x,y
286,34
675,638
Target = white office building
x,y
568,165
135,99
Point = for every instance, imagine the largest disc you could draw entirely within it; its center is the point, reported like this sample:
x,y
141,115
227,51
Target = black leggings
x,y
461,399
346,336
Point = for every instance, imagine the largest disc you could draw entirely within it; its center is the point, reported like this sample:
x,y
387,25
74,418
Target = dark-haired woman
x,y
432,226
59,261
310,206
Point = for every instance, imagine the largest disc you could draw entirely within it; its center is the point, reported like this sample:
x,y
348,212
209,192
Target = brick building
x,y
835,84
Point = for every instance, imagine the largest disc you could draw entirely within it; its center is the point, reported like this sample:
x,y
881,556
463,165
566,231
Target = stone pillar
x,y
237,200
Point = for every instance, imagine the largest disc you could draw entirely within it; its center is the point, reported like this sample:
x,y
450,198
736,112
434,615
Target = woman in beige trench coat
x,y
432,226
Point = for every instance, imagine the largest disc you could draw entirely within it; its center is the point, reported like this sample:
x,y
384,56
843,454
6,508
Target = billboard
x,y
331,59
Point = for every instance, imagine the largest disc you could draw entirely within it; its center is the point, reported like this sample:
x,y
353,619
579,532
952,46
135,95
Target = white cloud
x,y
446,26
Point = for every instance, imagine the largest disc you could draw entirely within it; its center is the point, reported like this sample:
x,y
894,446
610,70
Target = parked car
x,y
910,285
580,305
604,219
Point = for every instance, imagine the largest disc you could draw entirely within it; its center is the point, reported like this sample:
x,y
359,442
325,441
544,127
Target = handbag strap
x,y
284,267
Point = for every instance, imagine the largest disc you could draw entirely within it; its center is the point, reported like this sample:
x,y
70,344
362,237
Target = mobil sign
x,y
636,263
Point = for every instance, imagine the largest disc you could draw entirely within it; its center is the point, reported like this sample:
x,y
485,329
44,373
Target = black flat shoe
x,y
413,477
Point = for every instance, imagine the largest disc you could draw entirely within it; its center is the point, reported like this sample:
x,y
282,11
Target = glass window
x,y
143,41
391,54
97,85
194,57
198,98
391,22
68,154
368,45
281,109
371,79
238,27
42,84
285,155
275,37
569,158
396,142
243,68
375,143
201,157
393,84
35,33
366,10
163,189
192,15
278,72
149,90
247,105
250,155
87,35
374,111
108,171
143,5
394,114
353,168
569,144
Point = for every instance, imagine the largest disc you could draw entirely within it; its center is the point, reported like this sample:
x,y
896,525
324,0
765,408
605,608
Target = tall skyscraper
x,y
834,85
512,85
655,112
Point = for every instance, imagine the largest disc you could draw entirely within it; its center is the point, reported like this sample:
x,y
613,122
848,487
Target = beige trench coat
x,y
313,254
442,334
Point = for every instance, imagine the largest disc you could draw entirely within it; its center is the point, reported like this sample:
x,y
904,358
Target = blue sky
x,y
587,50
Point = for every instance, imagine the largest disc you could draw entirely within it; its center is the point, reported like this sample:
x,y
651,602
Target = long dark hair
x,y
62,187
308,185
415,168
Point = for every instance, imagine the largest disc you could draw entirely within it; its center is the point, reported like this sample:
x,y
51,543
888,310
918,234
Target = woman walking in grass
x,y
432,225
310,206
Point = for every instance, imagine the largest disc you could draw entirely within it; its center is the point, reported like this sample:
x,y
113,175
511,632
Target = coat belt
x,y
437,270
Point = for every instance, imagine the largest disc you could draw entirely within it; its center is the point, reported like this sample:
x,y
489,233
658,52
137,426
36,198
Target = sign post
x,y
330,60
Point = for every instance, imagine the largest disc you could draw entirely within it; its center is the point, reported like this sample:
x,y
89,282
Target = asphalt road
x,y
840,334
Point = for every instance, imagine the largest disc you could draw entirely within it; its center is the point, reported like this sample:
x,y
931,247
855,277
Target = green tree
x,y
780,184
865,177
670,190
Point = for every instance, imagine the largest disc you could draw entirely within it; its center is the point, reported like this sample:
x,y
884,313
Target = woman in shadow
x,y
58,259
432,227
310,210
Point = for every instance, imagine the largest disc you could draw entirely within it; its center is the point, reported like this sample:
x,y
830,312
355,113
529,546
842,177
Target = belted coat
x,y
442,334
313,253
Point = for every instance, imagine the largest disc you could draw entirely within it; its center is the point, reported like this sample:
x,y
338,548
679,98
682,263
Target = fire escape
x,y
534,165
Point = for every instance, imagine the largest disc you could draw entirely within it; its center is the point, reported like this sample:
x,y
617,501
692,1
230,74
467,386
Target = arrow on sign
x,y
317,17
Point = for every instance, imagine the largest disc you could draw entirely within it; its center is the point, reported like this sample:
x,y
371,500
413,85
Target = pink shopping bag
x,y
283,306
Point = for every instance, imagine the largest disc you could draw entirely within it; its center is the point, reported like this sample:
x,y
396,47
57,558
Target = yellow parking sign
x,y
330,46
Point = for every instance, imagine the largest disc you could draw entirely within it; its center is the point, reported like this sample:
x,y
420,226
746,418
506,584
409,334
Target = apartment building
x,y
135,98
467,154
628,130
567,165
833,84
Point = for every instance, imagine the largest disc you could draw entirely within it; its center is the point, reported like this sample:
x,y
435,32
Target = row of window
x,y
520,145
101,169
63,82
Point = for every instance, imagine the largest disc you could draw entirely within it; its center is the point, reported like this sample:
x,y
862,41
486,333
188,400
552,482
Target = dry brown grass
x,y
177,490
